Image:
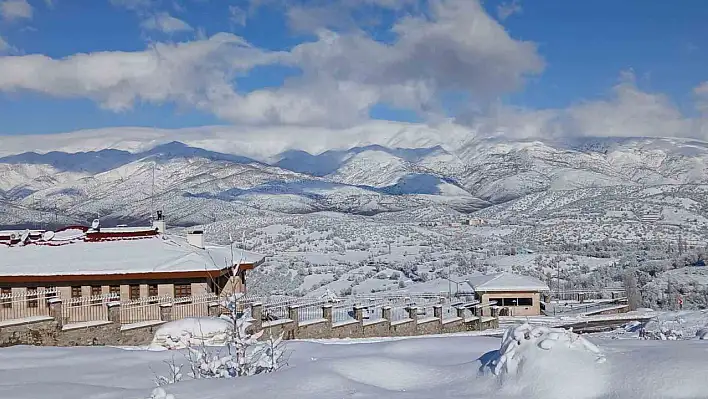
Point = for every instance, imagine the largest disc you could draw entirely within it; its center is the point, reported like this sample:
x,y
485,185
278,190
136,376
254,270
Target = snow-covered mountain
x,y
206,174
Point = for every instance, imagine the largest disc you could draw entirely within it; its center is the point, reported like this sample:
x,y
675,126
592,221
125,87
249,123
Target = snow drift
x,y
193,331
531,357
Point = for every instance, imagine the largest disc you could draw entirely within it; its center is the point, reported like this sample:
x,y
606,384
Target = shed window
x,y
6,294
96,293
76,291
114,290
512,301
525,301
32,298
183,290
134,292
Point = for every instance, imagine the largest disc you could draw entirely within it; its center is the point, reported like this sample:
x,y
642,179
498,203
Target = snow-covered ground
x,y
414,368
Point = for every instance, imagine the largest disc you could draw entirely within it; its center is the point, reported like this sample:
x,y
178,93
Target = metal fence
x,y
91,308
193,306
94,308
142,309
31,303
342,313
399,313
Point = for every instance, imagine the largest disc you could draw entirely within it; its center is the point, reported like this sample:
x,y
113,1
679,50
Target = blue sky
x,y
119,63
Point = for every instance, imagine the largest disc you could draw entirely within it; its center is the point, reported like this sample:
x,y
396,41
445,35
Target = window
x,y
50,293
76,292
114,290
525,301
32,298
6,294
96,292
497,300
183,290
512,301
134,292
152,292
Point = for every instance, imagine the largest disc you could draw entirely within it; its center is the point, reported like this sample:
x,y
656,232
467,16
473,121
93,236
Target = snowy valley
x,y
388,206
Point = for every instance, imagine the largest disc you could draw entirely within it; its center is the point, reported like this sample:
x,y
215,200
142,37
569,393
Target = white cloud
x,y
629,112
49,3
15,9
701,93
166,23
4,45
133,4
507,9
185,73
626,112
456,47
238,15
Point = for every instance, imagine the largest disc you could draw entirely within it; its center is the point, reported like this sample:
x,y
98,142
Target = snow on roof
x,y
499,282
145,255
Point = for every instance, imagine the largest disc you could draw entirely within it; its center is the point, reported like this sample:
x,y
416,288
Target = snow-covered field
x,y
414,368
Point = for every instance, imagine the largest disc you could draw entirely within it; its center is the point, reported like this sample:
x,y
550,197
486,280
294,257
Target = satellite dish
x,y
47,236
95,223
24,236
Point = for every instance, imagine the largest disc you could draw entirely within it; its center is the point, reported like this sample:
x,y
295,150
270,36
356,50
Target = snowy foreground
x,y
414,368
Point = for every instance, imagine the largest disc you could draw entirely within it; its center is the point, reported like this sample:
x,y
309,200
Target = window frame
x,y
179,290
6,302
114,290
32,297
133,289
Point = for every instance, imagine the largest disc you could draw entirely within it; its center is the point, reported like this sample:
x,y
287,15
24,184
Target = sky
x,y
522,68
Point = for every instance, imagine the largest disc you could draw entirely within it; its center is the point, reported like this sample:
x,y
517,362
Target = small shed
x,y
510,294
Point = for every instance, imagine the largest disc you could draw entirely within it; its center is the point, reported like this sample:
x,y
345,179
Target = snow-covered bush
x,y
242,354
193,331
536,360
702,334
160,393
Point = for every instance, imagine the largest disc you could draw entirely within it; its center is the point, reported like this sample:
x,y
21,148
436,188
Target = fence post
x,y
438,312
460,312
55,311
359,313
166,312
327,314
412,313
214,309
114,312
257,315
386,313
293,315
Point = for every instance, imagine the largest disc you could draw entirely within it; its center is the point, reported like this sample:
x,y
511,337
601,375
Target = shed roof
x,y
505,282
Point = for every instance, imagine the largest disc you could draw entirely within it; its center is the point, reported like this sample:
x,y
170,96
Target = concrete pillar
x,y
412,313
460,312
55,308
293,315
257,315
214,309
438,312
359,313
386,313
327,313
166,312
114,312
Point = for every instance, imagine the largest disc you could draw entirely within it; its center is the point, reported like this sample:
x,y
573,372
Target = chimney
x,y
159,223
196,238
